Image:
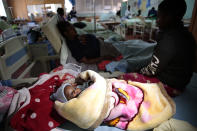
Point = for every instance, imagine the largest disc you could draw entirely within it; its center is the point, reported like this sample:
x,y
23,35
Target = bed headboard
x,y
55,38
52,33
13,55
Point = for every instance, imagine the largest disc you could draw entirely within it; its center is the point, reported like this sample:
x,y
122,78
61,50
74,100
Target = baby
x,y
68,91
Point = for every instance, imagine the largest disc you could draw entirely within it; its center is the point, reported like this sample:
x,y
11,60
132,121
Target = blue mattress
x,y
186,109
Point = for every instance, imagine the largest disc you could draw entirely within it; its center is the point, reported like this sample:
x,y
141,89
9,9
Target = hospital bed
x,y
185,110
19,60
59,44
138,26
90,27
185,100
186,107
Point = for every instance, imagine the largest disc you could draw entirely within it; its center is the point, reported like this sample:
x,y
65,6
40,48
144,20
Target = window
x,y
2,9
89,5
39,10
108,4
101,6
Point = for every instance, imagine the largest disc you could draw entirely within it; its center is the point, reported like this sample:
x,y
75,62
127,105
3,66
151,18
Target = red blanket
x,y
39,115
101,65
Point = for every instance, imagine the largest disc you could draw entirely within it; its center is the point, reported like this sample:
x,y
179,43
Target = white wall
x,y
155,3
68,6
143,6
2,9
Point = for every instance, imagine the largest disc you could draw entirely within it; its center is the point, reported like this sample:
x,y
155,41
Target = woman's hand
x,y
82,39
108,57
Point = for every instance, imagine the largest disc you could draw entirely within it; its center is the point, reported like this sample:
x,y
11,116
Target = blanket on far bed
x,y
126,105
136,54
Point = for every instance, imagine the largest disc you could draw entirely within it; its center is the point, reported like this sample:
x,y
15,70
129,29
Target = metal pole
x,y
94,16
10,9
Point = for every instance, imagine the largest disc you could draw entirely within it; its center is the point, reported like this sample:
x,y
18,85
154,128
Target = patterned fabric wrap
x,y
6,96
128,99
138,106
124,104
145,79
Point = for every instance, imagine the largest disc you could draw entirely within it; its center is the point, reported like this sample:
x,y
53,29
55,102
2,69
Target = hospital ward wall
x,y
193,29
19,8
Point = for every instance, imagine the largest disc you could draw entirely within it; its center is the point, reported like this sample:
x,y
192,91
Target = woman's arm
x,y
92,60
163,54
95,60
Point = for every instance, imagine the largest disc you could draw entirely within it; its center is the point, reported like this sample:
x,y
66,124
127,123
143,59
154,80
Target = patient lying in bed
x,y
86,48
126,105
126,100
68,91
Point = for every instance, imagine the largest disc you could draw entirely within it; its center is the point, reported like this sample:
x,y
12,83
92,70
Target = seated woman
x,y
86,48
173,58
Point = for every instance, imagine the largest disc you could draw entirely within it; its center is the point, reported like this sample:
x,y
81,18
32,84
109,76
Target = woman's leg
x,y
107,49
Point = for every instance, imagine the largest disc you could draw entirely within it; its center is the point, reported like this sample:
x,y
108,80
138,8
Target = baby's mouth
x,y
78,94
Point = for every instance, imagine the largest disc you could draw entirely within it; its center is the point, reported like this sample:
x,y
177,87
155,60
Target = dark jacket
x,y
173,58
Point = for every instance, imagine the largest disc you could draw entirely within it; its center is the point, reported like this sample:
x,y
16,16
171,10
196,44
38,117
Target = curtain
x,y
72,2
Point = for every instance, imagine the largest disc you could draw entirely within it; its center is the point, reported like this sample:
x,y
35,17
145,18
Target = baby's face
x,y
71,92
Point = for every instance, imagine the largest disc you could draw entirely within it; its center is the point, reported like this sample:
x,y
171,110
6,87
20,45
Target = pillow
x,y
56,39
52,33
79,25
107,16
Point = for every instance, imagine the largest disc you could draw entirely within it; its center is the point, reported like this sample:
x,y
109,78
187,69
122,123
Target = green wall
x,y
190,6
155,3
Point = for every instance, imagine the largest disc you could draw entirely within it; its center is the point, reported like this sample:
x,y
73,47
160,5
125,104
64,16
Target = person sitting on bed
x,y
86,48
69,91
72,16
61,14
152,13
128,13
173,58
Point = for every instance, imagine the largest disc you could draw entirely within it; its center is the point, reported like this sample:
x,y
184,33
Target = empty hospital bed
x,y
19,60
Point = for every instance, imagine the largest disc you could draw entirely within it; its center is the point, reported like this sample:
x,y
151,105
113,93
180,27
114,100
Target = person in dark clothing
x,y
173,58
4,18
60,12
33,36
139,13
118,13
85,48
152,13
72,14
90,49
